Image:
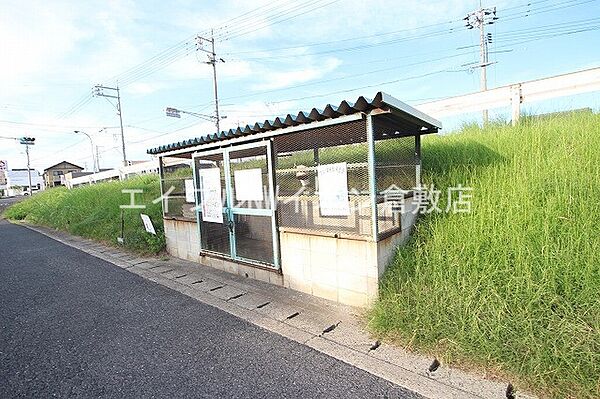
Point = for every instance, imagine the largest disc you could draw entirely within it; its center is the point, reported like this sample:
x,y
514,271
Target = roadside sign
x,y
148,224
3,165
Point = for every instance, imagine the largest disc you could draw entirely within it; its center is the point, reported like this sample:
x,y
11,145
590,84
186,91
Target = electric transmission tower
x,y
212,59
479,19
99,92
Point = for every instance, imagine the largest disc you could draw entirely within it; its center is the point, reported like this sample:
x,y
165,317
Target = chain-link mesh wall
x,y
298,157
395,169
175,171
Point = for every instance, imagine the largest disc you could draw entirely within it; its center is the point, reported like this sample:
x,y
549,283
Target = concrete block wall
x,y
183,239
339,269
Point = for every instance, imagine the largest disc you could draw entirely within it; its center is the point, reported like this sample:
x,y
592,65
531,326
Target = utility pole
x,y
212,59
28,169
98,92
479,19
27,141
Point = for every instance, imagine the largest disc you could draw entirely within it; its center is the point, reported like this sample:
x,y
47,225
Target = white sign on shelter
x,y
248,184
210,191
333,189
189,191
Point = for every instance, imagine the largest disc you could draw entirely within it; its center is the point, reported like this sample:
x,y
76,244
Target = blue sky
x,y
280,56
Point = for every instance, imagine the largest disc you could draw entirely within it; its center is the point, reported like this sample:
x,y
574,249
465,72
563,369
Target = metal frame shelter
x,y
286,200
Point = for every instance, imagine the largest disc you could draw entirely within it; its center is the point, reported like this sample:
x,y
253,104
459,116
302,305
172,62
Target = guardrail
x,y
120,173
516,94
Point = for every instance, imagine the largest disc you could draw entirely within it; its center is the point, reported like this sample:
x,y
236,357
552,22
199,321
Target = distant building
x,y
134,168
54,175
16,182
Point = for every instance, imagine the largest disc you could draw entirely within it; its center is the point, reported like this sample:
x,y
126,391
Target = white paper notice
x,y
333,189
248,185
210,190
148,224
189,191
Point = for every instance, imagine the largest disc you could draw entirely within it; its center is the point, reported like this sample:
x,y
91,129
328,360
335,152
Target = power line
x,y
273,21
316,44
327,80
391,41
544,9
361,46
159,61
162,133
240,19
63,149
268,18
51,125
154,59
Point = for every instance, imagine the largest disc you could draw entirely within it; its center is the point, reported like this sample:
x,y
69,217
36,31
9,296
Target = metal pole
x,y
483,57
28,168
214,65
93,156
97,160
92,146
372,175
121,122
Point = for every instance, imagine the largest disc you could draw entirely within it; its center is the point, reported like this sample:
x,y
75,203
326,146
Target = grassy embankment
x,y
514,286
93,212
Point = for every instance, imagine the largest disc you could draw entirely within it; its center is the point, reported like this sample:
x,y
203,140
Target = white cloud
x,y
34,43
144,88
279,79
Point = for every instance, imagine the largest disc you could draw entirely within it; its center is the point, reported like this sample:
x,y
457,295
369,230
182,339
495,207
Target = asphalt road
x,y
6,202
74,325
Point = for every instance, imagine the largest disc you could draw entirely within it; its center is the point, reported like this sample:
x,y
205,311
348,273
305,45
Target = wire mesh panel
x,y
250,178
254,238
214,235
336,155
175,171
395,170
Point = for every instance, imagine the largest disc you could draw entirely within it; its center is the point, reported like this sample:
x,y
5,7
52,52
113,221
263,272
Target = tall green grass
x,y
94,211
514,286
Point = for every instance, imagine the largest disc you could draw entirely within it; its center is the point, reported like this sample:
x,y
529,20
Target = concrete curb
x,y
325,326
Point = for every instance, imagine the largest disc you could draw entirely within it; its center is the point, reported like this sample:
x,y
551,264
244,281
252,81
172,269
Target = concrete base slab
x,y
228,292
160,269
146,265
312,322
407,360
207,285
280,311
352,336
251,301
191,278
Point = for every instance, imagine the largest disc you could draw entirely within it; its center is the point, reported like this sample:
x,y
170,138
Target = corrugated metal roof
x,y
362,104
